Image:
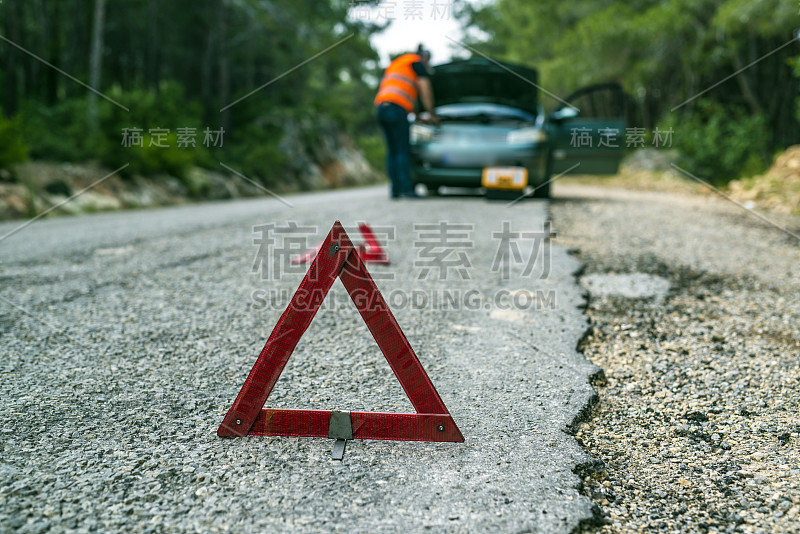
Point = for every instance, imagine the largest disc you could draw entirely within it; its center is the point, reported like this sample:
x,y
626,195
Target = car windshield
x,y
482,112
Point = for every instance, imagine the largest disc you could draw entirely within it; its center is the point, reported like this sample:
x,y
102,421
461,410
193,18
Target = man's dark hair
x,y
423,52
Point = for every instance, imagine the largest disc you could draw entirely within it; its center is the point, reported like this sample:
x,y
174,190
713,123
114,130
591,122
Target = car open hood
x,y
483,80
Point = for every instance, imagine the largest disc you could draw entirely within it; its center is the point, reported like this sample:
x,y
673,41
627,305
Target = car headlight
x,y
526,135
421,133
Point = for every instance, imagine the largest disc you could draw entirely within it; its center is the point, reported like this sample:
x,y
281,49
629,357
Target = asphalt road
x,y
126,337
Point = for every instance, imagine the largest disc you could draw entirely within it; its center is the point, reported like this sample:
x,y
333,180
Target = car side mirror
x,y
564,113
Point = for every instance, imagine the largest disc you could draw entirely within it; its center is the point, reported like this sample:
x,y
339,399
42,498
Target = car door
x,y
587,133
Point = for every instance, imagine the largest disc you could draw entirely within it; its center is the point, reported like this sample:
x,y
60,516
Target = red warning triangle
x,y
370,251
373,253
337,257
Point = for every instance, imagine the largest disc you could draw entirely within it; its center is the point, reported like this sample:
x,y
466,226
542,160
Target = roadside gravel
x,y
697,427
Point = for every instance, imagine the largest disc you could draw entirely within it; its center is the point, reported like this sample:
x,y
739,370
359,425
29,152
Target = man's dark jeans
x,y
394,123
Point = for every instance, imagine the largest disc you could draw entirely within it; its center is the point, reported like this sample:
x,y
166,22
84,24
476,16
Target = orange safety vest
x,y
399,83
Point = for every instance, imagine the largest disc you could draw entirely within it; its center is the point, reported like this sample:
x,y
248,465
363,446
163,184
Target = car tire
x,y
542,191
433,190
506,195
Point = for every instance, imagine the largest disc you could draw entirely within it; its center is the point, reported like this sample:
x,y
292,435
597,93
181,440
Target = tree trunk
x,y
54,41
224,65
95,61
210,109
42,74
153,57
744,86
11,79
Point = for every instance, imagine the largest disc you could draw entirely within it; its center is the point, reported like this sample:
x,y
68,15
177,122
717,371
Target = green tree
x,y
184,64
665,53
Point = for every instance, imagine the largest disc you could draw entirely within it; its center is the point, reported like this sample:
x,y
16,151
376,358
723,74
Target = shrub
x,y
256,153
12,147
720,143
168,110
795,63
150,158
60,132
374,149
64,133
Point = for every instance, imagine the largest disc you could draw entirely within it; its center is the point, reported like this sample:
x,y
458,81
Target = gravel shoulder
x,y
697,427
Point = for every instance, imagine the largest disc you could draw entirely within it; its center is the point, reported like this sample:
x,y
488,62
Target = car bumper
x,y
463,166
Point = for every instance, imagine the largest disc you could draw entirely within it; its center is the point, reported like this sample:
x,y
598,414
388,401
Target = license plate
x,y
504,177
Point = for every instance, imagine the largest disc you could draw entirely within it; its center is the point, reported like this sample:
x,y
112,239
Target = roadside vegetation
x,y
185,70
777,189
669,56
180,68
